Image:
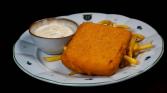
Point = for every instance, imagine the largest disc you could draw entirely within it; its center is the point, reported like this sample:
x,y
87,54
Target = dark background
x,y
17,17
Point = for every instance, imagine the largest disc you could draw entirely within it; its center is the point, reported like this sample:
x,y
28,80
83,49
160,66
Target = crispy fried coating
x,y
96,49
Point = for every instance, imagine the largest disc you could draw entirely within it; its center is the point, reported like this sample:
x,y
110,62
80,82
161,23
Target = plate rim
x,y
89,84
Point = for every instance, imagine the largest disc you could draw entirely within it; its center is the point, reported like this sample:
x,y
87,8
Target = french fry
x,y
52,58
136,46
72,73
131,60
145,46
131,45
120,25
138,37
106,22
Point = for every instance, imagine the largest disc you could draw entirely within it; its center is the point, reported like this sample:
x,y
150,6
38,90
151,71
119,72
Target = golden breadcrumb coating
x,y
96,49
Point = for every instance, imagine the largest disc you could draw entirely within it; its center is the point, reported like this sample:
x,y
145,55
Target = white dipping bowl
x,y
52,45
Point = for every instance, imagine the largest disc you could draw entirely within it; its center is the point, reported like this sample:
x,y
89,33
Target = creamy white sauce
x,y
54,30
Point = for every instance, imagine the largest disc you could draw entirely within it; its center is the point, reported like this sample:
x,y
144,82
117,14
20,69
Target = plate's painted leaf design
x,y
29,63
139,27
148,57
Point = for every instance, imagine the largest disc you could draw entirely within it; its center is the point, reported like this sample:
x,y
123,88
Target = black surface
x,y
20,16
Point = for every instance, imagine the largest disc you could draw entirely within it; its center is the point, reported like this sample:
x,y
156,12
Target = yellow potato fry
x,y
120,25
145,46
130,52
106,22
52,58
136,46
130,60
138,37
131,45
72,73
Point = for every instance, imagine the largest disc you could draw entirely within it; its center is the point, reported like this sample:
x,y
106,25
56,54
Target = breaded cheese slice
x,y
96,49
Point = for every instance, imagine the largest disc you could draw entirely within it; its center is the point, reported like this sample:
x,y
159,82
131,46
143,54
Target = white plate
x,y
29,58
